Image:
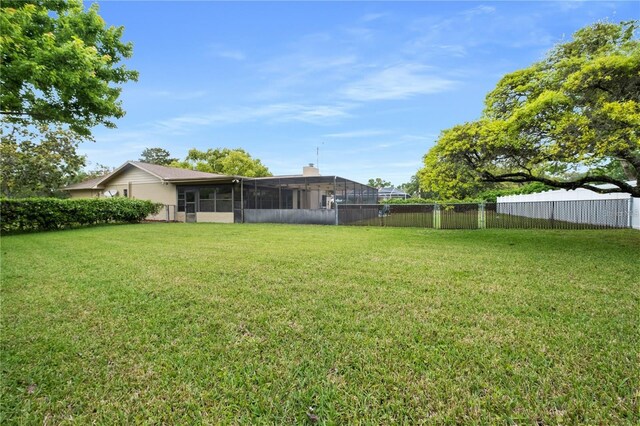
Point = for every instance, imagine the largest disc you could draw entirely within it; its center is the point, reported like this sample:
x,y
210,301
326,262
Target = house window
x,y
180,199
218,198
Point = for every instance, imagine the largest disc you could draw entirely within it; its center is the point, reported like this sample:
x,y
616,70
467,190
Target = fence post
x,y
436,216
482,224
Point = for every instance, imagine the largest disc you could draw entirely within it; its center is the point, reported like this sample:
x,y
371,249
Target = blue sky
x,y
371,84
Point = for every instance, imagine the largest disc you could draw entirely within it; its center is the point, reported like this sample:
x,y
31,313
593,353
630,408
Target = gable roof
x,y
164,173
86,184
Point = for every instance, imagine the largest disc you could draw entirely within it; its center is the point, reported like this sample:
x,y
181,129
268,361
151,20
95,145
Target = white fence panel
x,y
551,205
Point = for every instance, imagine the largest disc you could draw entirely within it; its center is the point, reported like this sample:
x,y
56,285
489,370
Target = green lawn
x,y
199,323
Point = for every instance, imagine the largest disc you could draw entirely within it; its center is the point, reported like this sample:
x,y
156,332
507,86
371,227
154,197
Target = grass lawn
x,y
205,323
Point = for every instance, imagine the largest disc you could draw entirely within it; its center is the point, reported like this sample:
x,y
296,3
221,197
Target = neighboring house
x,y
193,196
392,192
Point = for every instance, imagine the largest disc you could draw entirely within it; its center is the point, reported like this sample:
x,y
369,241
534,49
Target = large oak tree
x,y
569,121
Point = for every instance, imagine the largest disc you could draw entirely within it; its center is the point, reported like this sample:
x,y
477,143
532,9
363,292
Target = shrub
x,y
40,214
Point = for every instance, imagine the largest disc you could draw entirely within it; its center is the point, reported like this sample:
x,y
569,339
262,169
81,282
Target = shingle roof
x,y
174,173
87,184
162,172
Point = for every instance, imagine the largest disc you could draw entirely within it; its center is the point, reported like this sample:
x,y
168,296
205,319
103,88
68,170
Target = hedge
x,y
41,214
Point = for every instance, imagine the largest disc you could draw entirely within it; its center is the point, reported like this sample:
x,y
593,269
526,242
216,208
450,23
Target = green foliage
x,y
379,183
559,122
430,201
158,156
233,162
38,161
531,188
60,65
98,170
40,214
480,197
412,187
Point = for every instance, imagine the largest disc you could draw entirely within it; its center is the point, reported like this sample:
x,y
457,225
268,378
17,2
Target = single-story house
x,y
193,196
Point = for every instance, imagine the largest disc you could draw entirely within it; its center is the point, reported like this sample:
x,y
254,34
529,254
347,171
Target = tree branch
x,y
586,182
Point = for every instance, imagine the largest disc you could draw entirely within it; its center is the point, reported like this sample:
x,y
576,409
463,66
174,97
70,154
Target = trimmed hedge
x,y
42,214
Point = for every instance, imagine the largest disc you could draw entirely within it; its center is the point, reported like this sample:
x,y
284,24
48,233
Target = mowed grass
x,y
276,324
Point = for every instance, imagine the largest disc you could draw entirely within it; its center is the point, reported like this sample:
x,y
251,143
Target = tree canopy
x,y
235,162
40,168
60,65
158,156
379,183
569,121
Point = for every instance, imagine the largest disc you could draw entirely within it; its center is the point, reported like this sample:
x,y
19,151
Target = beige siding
x,y
214,217
158,193
134,175
85,193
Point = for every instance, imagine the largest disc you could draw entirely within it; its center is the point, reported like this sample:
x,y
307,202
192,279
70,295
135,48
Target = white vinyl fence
x,y
593,208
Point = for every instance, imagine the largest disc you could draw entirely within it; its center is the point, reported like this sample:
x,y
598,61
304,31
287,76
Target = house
x,y
193,196
392,192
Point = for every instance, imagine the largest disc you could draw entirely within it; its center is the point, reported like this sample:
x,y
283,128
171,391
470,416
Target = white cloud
x,y
274,113
369,17
177,95
356,134
397,82
232,54
478,10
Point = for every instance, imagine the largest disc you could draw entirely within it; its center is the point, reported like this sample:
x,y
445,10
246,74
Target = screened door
x,y
190,205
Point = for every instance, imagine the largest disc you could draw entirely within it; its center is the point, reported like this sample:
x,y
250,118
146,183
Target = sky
x,y
362,89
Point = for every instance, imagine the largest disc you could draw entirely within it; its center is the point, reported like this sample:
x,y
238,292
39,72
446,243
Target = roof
x,y
391,191
177,175
87,184
171,174
174,173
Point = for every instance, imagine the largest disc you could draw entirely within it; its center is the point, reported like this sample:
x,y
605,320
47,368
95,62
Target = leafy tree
x,y
412,187
379,183
38,162
562,122
158,156
236,162
60,65
96,171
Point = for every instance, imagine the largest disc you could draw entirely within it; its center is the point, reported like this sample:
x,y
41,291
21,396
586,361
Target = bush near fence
x,y
42,214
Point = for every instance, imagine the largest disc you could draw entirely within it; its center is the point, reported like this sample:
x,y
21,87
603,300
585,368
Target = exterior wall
x,y
214,217
314,199
84,193
139,185
158,192
134,175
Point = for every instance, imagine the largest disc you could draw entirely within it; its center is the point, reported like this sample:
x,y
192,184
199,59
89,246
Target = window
x,y
218,198
180,199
